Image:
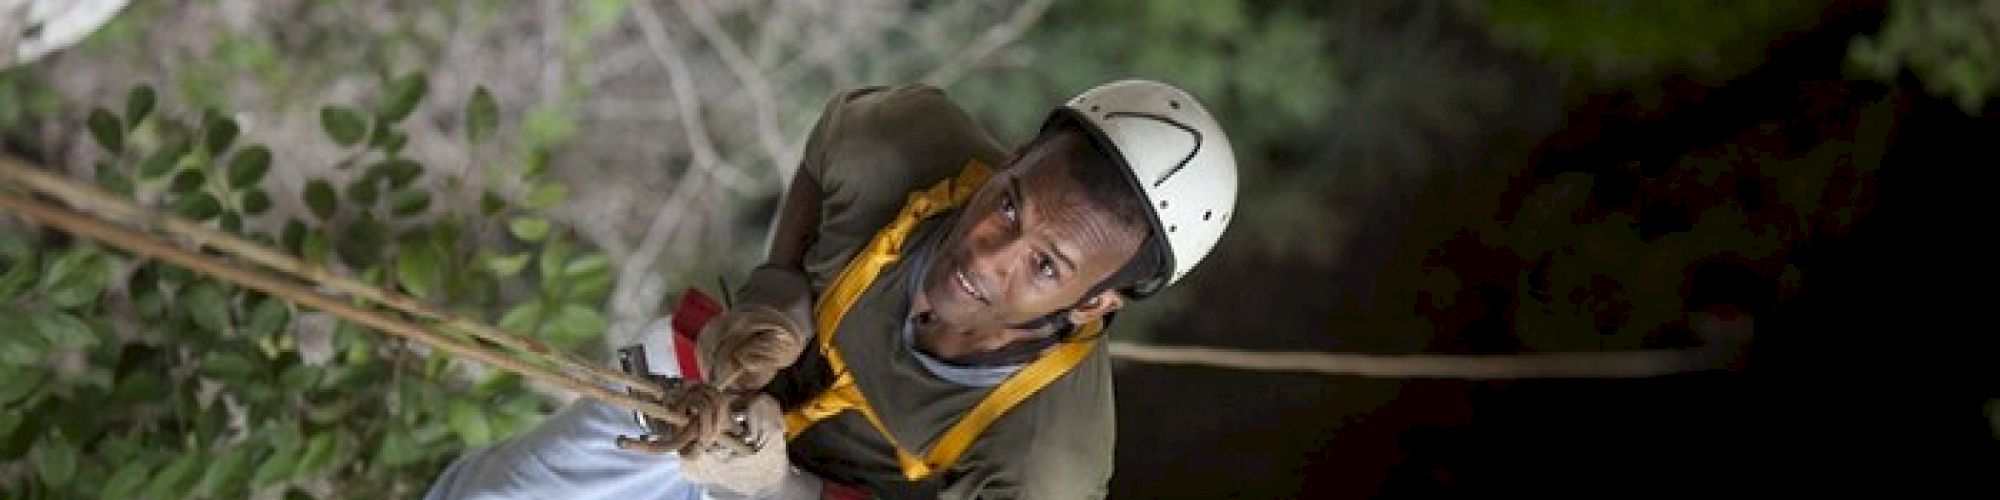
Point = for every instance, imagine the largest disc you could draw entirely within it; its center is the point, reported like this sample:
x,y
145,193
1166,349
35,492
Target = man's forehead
x,y
1057,205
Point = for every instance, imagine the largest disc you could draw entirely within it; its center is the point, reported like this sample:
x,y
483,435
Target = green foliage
x,y
1950,45
106,352
1619,41
1241,61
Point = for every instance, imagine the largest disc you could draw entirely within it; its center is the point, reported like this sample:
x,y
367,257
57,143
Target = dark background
x,y
1857,380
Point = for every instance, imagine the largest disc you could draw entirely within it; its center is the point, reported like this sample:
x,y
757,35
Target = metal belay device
x,y
661,400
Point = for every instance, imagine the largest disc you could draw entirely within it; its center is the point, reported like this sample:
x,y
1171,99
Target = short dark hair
x,y
1108,187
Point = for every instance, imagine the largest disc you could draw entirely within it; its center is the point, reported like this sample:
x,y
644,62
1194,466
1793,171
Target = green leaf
x,y
109,178
224,365
363,189
138,105
528,228
75,278
362,243
199,206
313,247
255,202
208,306
397,449
130,477
223,472
398,171
9,420
164,161
545,196
138,388
249,166
392,142
411,203
293,236
343,124
586,265
491,203
279,466
221,132
522,318
319,197
469,421
555,256
20,350
232,223
64,330
56,459
503,265
16,446
574,324
420,268
24,272
105,128
318,453
187,182
299,378
171,482
403,96
268,318
482,115
66,265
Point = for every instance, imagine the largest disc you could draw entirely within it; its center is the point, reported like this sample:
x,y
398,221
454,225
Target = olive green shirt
x,y
870,148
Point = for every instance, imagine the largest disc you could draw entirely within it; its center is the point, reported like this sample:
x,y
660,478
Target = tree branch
x,y
996,37
764,108
686,101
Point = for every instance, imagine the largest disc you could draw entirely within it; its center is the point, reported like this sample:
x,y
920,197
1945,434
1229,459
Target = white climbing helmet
x,y
31,29
1178,157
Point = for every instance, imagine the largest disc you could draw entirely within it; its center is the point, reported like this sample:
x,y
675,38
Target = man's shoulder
x,y
897,111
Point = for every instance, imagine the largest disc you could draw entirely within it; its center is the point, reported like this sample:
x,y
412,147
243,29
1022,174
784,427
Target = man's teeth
x,y
965,284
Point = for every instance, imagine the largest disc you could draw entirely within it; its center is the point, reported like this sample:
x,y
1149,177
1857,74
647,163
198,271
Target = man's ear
x,y
1106,302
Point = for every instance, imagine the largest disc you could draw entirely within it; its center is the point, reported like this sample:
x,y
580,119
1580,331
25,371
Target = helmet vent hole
x,y
1174,104
1093,109
1163,203
1206,213
1173,228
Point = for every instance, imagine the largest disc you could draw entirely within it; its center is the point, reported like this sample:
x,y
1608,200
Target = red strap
x,y
835,490
692,313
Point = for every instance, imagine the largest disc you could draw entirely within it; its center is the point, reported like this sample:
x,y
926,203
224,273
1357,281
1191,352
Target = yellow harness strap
x,y
886,248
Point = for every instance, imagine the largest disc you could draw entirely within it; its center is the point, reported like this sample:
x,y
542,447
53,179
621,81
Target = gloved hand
x,y
764,332
759,473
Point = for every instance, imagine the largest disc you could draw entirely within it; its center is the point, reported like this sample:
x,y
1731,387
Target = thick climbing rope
x,y
589,380
575,376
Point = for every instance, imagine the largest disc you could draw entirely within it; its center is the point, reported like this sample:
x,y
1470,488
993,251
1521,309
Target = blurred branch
x,y
996,37
764,108
686,102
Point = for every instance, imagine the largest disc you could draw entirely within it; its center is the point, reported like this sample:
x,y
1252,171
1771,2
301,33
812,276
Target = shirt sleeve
x,y
868,150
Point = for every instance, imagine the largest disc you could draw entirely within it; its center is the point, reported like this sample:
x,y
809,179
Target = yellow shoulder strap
x,y
860,273
1031,379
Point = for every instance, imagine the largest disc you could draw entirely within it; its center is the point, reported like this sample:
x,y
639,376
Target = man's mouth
x,y
965,285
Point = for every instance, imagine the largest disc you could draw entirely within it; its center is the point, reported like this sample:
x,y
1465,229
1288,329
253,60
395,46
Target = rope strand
x,y
143,244
110,206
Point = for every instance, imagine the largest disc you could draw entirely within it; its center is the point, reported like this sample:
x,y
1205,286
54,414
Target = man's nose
x,y
996,257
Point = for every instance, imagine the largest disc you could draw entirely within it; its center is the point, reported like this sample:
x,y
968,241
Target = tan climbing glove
x,y
765,331
756,472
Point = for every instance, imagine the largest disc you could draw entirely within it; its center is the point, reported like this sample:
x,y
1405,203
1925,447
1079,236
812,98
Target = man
x,y
928,320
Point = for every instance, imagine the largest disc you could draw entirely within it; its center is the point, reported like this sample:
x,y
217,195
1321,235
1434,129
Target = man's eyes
x,y
1043,264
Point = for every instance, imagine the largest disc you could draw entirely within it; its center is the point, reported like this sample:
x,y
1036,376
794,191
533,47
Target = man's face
x,y
1029,242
